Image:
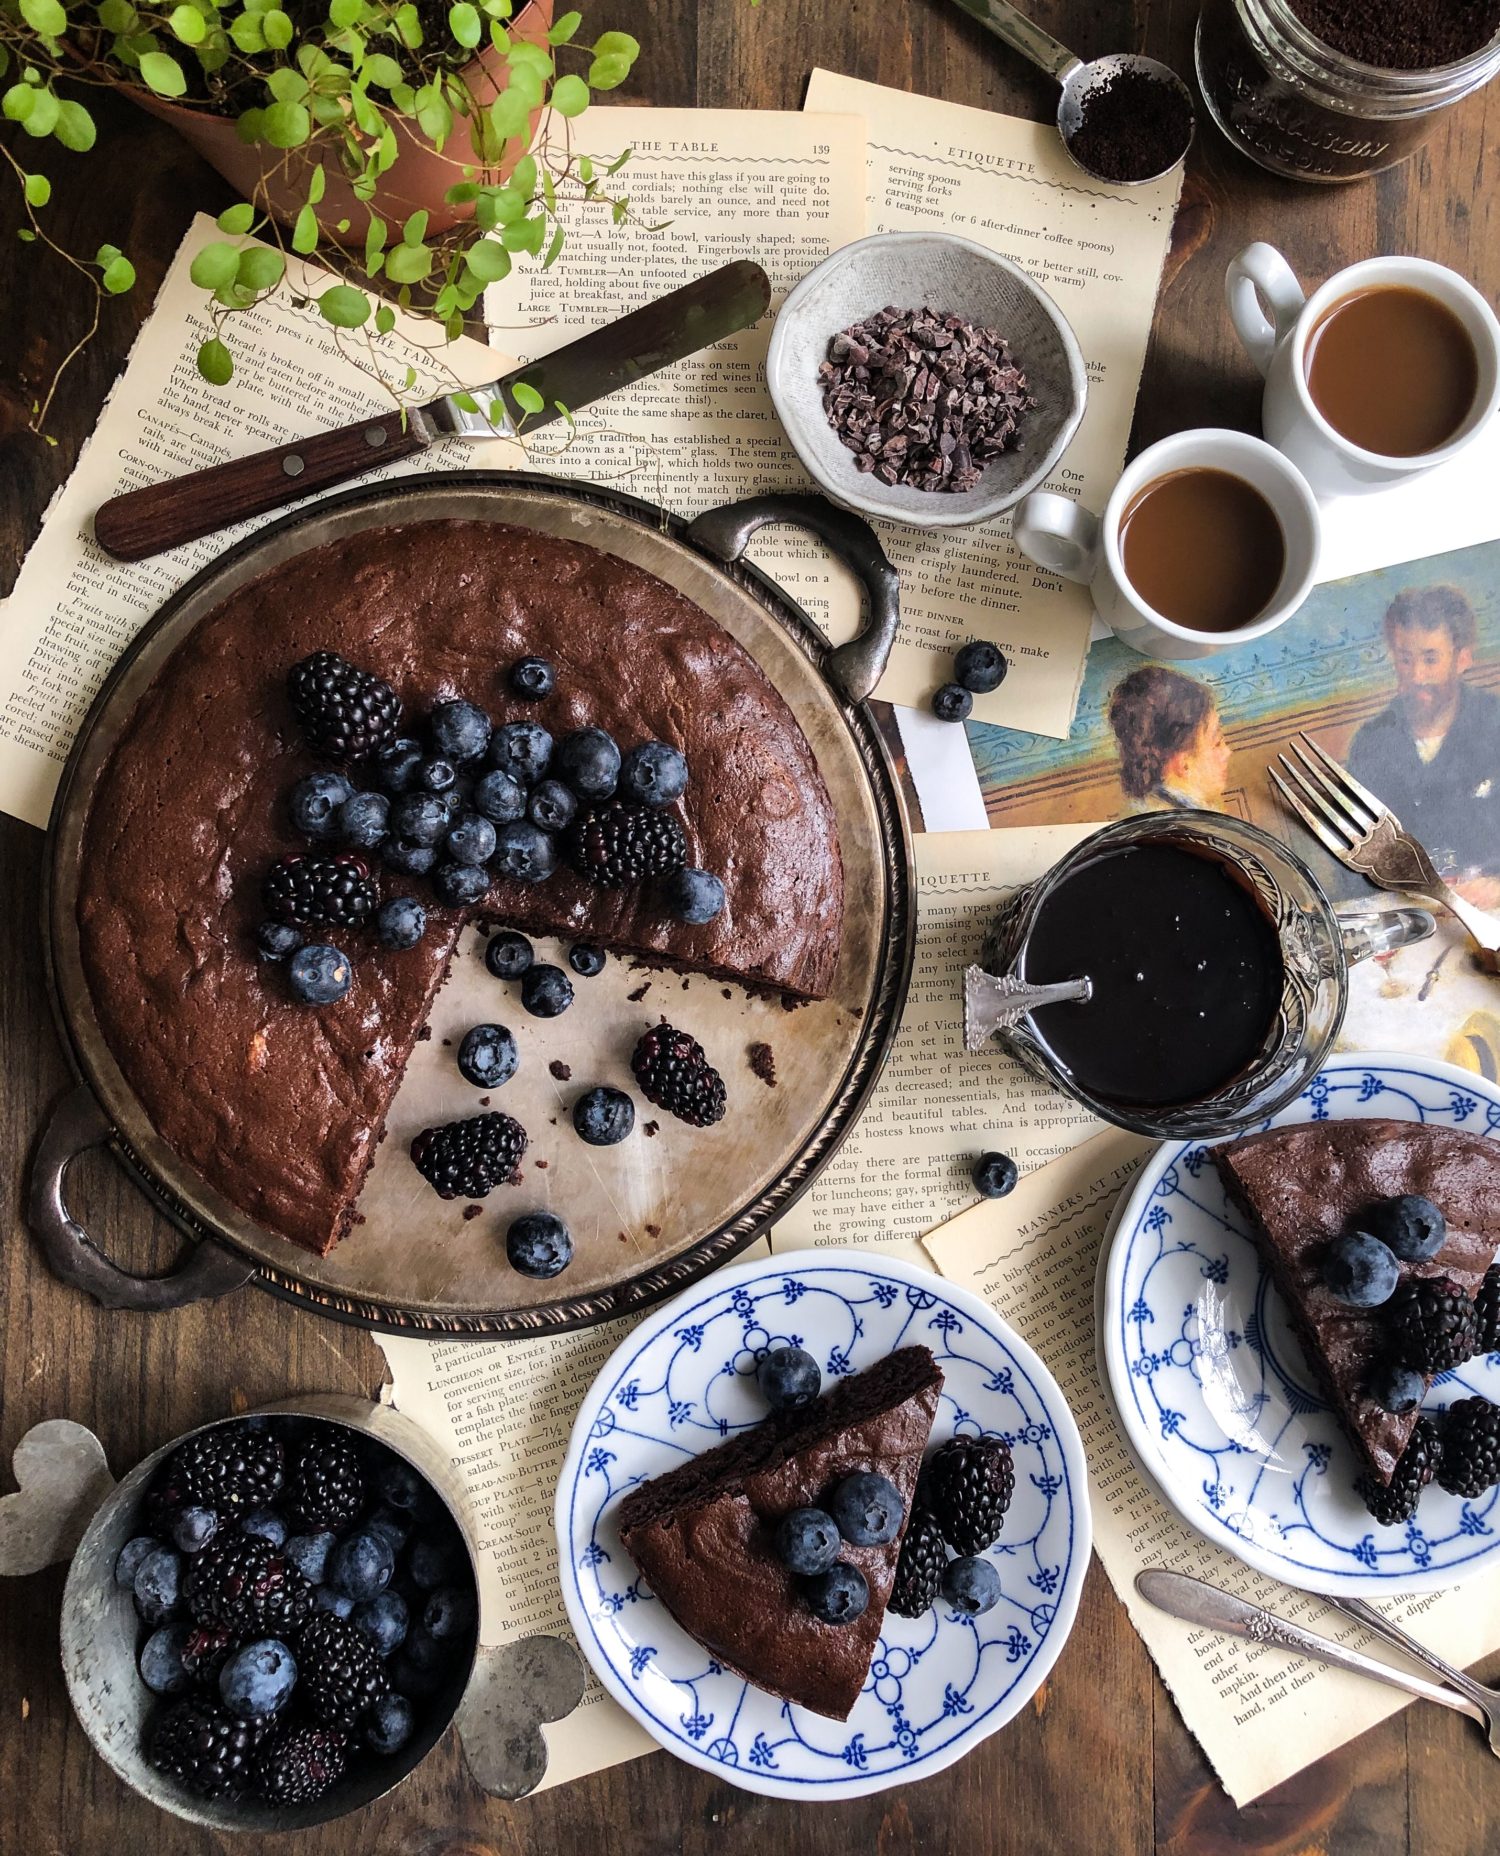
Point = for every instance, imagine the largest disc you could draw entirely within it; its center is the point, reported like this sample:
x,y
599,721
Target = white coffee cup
x,y
1274,319
1066,538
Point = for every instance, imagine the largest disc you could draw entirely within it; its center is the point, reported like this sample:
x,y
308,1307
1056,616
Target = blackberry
x,y
345,713
302,1766
231,1469
205,1650
1487,1312
338,1672
1394,1502
326,1488
1471,1447
919,1571
968,1486
616,844
312,890
1432,1323
674,1073
467,1159
204,1748
243,1584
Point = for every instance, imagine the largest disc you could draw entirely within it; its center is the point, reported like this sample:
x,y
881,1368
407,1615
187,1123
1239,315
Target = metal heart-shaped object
x,y
61,1476
515,1687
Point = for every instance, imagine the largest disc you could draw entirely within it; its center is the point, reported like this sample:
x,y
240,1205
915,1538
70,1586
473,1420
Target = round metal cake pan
x,y
415,1264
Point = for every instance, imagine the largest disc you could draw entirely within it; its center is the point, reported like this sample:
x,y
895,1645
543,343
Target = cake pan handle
x,y
853,668
515,1687
76,1124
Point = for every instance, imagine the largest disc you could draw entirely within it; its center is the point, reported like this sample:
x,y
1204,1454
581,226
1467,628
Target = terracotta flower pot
x,y
419,178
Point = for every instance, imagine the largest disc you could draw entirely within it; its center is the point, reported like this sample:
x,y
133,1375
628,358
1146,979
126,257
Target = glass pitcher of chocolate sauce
x,y
1218,973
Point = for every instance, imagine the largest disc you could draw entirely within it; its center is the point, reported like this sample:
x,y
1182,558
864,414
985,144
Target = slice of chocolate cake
x,y
1302,1187
703,1534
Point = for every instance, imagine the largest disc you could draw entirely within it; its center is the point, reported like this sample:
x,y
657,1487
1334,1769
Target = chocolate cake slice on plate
x,y
703,1533
1302,1187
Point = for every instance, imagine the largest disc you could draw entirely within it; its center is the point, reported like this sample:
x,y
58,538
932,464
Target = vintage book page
x,y
73,609
906,1161
1099,252
1259,1714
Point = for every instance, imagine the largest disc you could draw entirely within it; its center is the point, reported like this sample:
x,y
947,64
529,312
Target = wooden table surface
x,y
1100,1761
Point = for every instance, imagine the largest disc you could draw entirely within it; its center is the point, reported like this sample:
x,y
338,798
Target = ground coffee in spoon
x,y
1132,127
1402,35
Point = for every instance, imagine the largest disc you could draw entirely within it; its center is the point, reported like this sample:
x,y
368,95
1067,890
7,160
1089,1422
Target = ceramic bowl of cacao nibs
x,y
925,379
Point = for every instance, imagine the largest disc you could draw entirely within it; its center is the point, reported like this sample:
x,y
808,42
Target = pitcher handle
x,y
1260,280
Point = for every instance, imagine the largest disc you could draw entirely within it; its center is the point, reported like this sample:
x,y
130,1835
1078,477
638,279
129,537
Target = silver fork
x,y
1362,832
1487,1700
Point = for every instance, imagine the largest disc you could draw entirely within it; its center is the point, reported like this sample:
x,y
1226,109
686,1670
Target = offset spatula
x,y
164,515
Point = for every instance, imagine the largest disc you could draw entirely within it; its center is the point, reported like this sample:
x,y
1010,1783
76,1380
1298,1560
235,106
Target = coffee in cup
x,y
1204,548
1393,370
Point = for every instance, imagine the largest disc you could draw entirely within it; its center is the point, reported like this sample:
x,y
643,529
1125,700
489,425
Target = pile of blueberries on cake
x,y
305,1599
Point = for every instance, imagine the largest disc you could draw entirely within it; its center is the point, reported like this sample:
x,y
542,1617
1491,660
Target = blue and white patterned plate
x,y
1213,1389
938,1684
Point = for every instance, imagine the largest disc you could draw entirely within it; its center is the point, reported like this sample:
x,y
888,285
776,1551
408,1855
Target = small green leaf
x,y
305,232
617,45
464,400
524,56
408,24
507,204
346,12
379,68
609,72
510,113
563,29
246,32
619,161
249,124
554,249
408,264
465,24
237,219
163,74
488,260
287,125
45,16
435,119
570,95
527,398
585,170
277,26
188,24
18,102
344,306
415,229
374,242
385,319
215,267
523,176
26,235
38,189
525,235
215,363
461,193
75,127
118,16
42,114
119,276
316,185
287,85
261,268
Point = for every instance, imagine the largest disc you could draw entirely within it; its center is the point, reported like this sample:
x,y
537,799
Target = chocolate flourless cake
x,y
1300,1187
703,1534
280,1105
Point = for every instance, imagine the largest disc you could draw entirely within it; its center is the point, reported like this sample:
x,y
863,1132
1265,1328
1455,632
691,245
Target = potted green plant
x,y
403,131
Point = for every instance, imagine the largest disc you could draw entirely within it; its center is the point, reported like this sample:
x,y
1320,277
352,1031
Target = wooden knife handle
x,y
164,515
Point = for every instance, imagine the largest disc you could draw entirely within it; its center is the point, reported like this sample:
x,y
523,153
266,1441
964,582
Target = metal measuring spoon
x,y
1076,78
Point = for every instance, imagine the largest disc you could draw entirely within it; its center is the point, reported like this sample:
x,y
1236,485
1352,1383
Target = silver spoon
x,y
995,1002
1076,78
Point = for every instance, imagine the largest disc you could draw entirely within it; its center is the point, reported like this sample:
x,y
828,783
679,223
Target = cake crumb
x,y
727,991
622,1237
447,1043
560,1070
685,985
425,1034
473,1211
654,1230
542,1164
639,993
484,1101
763,1063
651,1127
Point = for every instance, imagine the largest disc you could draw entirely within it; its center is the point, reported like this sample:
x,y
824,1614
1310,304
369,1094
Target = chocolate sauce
x,y
1186,968
1394,370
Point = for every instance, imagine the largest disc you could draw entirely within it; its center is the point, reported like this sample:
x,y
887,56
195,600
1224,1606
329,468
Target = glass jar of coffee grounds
x,y
1309,112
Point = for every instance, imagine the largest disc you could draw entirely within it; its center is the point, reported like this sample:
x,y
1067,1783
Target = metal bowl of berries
x,y
271,1621
924,378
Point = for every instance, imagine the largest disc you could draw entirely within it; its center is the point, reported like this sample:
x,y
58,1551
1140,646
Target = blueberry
x,y
316,801
401,922
365,820
265,1524
868,1509
408,858
788,1378
807,1541
539,1245
1360,1270
589,762
396,766
471,841
128,1564
432,1560
339,1603
455,804
419,818
1397,1388
161,1665
361,1565
971,1586
603,1116
384,1620
389,1724
460,886
194,1528
449,1612
1411,1226
436,776
158,1585
523,852
258,1679
424,1650
309,1554
693,895
487,1057
277,940
980,667
500,797
410,1680
952,703
551,806
523,750
319,974
532,678
390,1526
459,730
586,959
399,1484
508,954
653,773
546,992
837,1596
994,1175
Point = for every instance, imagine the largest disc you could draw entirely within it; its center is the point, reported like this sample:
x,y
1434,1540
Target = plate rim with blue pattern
x,y
773,1754
1318,1535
